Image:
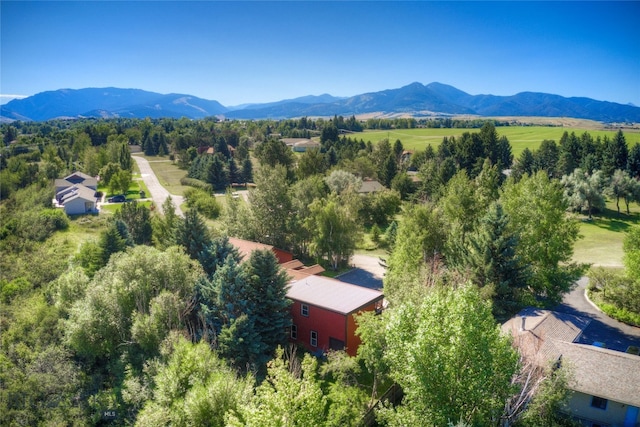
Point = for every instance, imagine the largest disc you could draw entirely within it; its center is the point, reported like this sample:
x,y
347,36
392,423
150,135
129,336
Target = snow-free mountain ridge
x,y
414,99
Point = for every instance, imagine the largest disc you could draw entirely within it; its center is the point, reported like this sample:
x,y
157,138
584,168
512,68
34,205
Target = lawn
x,y
168,173
601,244
520,137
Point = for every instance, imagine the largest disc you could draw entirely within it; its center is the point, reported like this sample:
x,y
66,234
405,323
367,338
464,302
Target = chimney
x,y
523,324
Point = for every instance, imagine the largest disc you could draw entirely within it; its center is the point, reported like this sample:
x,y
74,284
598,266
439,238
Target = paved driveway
x,y
158,193
367,272
616,335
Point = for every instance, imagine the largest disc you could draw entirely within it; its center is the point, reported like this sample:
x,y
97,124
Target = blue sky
x,y
242,52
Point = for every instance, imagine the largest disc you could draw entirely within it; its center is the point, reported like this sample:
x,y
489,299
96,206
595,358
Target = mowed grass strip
x,y
168,173
520,137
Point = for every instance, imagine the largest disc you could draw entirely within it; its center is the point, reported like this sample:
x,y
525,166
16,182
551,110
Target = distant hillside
x,y
414,99
436,98
108,103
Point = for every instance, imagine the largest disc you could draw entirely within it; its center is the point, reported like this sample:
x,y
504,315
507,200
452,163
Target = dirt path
x,y
158,193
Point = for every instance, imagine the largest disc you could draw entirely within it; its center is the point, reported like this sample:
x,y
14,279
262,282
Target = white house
x,y
76,194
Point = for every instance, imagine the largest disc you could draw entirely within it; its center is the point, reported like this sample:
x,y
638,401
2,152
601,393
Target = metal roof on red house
x,y
332,294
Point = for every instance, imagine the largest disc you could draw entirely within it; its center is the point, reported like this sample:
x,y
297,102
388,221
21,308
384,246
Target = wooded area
x,y
148,319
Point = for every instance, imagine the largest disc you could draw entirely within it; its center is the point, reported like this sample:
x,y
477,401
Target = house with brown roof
x,y
245,247
605,383
323,313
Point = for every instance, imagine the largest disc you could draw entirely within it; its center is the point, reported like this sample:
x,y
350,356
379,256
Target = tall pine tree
x,y
494,265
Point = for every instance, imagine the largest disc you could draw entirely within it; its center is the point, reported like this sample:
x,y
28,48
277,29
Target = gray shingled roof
x,y
550,336
601,372
78,190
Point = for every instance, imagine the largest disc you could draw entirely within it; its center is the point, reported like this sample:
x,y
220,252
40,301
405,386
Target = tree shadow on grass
x,y
610,220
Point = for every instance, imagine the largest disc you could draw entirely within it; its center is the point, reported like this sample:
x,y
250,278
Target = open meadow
x,y
602,237
520,137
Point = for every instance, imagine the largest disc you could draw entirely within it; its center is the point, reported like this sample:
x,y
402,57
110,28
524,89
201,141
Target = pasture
x,y
520,137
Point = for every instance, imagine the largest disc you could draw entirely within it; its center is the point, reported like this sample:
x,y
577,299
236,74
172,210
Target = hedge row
x,y
196,183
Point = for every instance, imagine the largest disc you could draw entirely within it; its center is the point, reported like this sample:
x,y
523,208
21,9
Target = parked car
x,y
117,199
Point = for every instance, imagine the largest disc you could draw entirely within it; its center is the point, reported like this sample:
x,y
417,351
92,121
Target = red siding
x,y
353,341
283,256
326,323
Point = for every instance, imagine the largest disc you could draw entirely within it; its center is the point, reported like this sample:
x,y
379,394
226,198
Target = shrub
x,y
203,202
56,219
621,314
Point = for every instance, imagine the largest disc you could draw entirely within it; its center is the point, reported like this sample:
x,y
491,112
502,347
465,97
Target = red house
x,y
323,310
245,247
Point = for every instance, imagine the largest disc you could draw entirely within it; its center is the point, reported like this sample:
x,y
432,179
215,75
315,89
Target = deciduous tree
x,y
537,210
271,207
450,358
335,231
584,191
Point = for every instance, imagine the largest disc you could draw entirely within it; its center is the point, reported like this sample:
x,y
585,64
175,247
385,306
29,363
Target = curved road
x,y
157,192
616,335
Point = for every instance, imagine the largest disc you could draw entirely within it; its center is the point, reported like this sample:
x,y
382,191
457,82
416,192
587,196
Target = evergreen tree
x,y
247,170
193,234
165,227
240,344
546,158
389,170
234,172
633,161
493,262
267,284
138,221
110,242
123,231
242,151
217,175
615,154
398,149
216,253
504,154
570,155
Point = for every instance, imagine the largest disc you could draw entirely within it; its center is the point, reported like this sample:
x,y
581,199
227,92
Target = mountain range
x,y
415,99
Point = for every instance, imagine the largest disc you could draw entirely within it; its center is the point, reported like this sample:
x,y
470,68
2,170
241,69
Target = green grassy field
x,y
520,137
601,242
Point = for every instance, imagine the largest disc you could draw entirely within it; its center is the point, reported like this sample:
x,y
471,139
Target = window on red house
x,y
304,310
294,332
314,339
